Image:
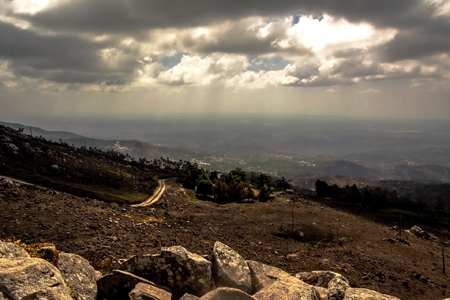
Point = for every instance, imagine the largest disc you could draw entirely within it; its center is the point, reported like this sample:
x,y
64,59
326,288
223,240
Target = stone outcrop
x,y
119,284
31,278
10,250
144,291
337,288
417,231
289,291
264,275
79,275
319,278
23,277
176,268
365,294
230,269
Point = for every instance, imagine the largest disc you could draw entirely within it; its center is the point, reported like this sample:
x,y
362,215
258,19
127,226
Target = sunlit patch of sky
x,y
273,63
172,61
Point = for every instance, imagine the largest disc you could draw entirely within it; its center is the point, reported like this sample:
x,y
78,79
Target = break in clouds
x,y
117,45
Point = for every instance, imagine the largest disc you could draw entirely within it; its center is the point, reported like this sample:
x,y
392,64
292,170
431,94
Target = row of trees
x,y
372,197
234,186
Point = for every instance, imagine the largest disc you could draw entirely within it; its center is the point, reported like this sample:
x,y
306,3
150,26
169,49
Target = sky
x,y
138,58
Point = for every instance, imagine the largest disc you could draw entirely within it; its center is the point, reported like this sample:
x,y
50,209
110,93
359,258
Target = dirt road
x,y
156,195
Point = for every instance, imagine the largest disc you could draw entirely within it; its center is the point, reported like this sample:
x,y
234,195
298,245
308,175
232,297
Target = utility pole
x,y
31,132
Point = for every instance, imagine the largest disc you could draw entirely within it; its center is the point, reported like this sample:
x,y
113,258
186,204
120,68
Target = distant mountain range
x,y
408,161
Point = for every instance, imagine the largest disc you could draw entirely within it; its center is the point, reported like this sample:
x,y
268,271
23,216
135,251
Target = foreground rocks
x,y
175,273
229,276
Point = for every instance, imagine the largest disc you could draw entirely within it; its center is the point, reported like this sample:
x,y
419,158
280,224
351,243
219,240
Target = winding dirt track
x,y
156,195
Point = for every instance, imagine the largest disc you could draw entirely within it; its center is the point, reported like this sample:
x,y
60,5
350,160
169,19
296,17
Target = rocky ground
x,y
366,252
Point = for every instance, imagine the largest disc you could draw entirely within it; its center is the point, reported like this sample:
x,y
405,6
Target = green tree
x,y
205,186
262,180
265,193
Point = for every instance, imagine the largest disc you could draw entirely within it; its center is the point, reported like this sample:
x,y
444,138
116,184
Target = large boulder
x,y
31,278
319,278
336,288
322,293
10,250
230,269
119,284
79,275
189,297
365,294
264,275
144,291
287,291
177,268
225,293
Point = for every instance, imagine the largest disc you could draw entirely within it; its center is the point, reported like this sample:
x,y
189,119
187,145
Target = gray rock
x,y
177,268
119,284
10,250
336,288
31,278
225,293
189,297
7,183
264,275
12,148
144,291
365,294
417,231
287,291
230,269
322,293
79,275
319,278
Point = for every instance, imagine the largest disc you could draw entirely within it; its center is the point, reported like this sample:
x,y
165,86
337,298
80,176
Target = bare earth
x,y
351,245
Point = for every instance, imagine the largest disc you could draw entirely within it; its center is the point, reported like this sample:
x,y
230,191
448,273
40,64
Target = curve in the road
x,y
156,195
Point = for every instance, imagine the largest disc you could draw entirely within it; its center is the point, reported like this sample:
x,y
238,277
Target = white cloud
x,y
369,91
199,70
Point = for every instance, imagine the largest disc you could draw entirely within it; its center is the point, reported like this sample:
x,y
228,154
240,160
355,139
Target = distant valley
x,y
300,149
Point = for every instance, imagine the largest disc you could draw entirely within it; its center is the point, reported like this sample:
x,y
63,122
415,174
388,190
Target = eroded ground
x,y
333,239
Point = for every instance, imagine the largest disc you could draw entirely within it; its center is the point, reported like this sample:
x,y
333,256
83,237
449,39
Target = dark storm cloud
x,y
112,16
419,32
60,58
237,39
70,56
351,68
127,15
417,44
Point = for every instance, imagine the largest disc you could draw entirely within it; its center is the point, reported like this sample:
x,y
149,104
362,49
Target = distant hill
x,y
253,154
47,134
134,148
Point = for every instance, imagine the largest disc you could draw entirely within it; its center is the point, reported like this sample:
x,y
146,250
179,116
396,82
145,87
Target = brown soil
x,y
349,244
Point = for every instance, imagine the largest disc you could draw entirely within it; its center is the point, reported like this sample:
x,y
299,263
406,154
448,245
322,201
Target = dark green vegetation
x,y
87,172
234,186
425,203
113,176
